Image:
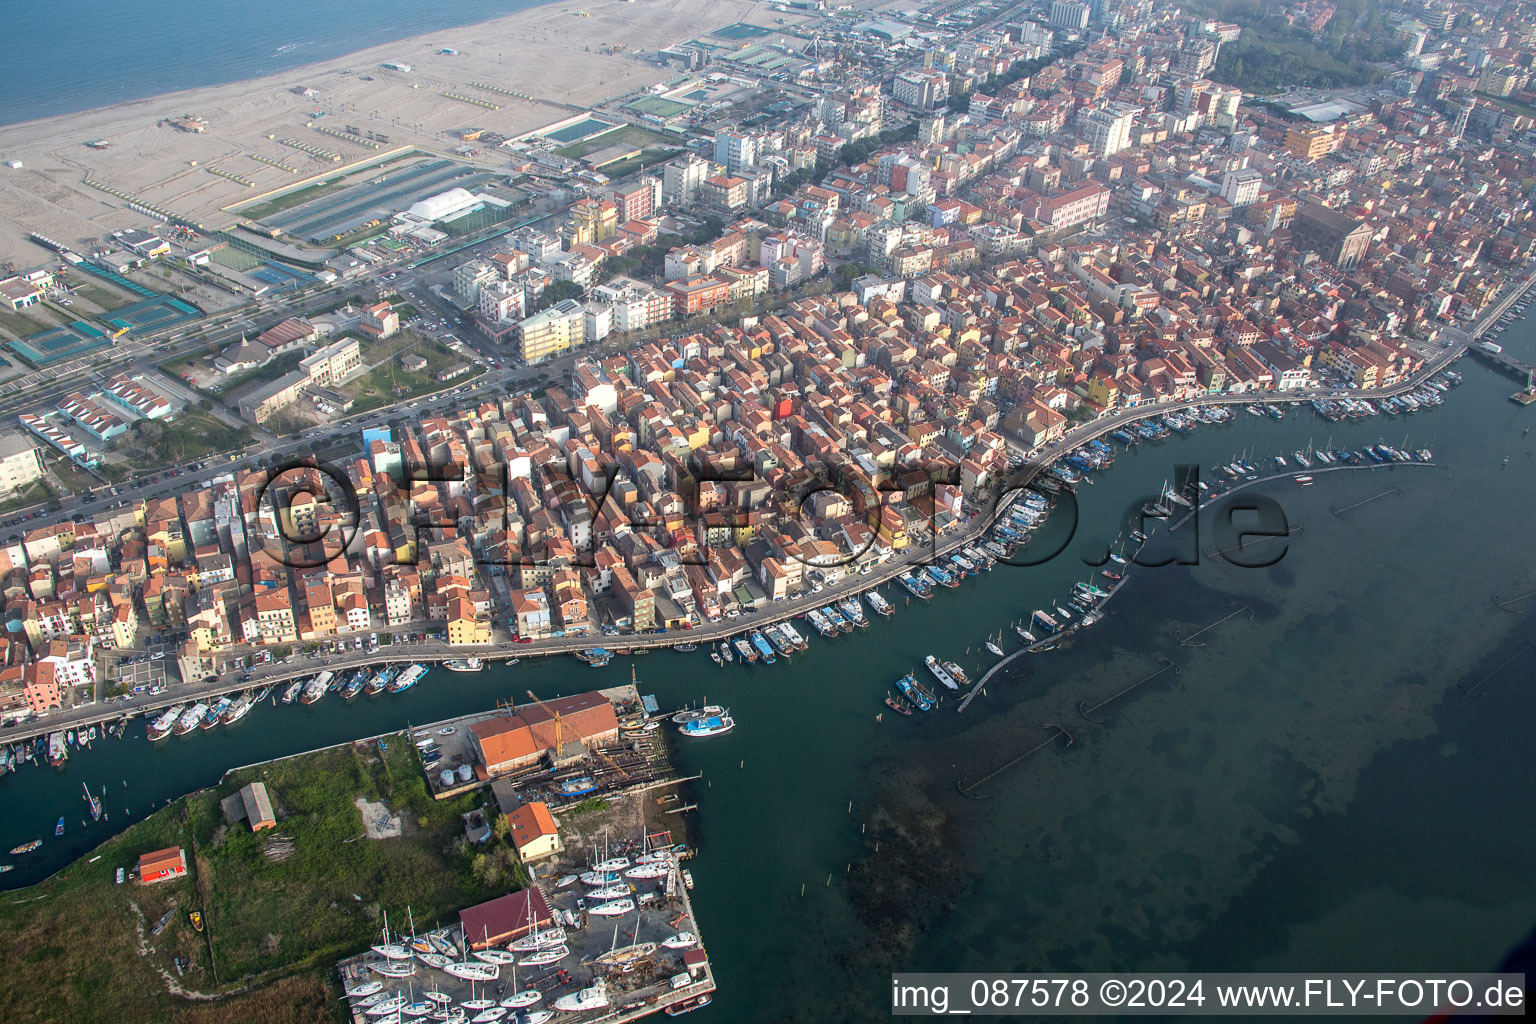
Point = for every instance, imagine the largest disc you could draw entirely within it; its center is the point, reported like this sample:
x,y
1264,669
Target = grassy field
x,y
629,135
188,438
72,945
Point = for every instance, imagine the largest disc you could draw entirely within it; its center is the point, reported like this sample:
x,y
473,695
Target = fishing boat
x,y
215,714
315,688
238,709
687,1005
292,690
592,998
994,648
161,727
879,605
1111,575
379,681
1045,622
464,665
196,917
849,606
745,649
407,679
897,706
579,786
941,673
792,634
707,711
190,718
1305,481
597,657
57,749
711,726
17,851
910,690
354,685
914,586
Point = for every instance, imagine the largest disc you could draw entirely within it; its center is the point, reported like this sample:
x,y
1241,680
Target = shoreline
x,y
307,67
549,60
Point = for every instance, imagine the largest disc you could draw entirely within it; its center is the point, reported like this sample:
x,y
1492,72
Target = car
x,y
522,640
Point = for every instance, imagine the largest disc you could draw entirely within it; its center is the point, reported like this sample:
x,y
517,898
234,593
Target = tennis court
x,y
584,129
59,343
151,314
280,277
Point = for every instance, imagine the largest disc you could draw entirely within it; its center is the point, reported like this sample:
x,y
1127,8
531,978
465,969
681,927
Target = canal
x,y
1309,778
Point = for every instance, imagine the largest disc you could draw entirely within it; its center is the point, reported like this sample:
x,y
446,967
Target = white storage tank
x,y
466,772
445,780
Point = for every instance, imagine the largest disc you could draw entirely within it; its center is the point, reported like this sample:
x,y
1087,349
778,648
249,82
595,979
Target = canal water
x,y
1310,790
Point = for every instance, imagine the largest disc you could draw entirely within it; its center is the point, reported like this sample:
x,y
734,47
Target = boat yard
x,y
617,957
564,750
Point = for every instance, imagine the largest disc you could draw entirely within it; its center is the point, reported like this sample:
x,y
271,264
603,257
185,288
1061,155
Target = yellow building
x,y
1311,142
534,834
557,329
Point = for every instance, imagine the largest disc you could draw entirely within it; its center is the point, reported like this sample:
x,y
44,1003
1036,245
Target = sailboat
x,y
519,999
391,950
493,956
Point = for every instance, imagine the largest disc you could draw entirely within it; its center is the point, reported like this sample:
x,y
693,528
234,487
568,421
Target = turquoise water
x,y
1310,790
95,53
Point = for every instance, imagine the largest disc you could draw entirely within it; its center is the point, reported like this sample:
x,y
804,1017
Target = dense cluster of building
x,y
1114,230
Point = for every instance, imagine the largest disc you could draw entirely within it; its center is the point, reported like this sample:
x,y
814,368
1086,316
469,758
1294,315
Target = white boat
x,y
494,956
393,968
365,989
594,998
190,718
473,970
940,673
436,961
712,726
538,940
649,871
536,1017
613,908
567,880
655,857
545,957
600,877
518,1000
239,709
391,1005
682,940
464,665
161,727
612,864
476,1005
994,648
609,892
291,694
488,1015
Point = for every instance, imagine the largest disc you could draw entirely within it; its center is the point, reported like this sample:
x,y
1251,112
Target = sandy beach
x,y
551,53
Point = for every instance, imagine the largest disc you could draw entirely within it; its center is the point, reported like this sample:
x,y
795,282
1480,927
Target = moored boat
x,y
464,665
190,718
941,673
161,727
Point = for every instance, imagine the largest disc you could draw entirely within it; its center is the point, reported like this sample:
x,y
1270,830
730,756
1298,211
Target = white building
x,y
1241,187
735,151
1107,130
923,90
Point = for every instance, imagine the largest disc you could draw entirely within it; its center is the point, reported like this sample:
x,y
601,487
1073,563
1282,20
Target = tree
x,y
501,826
